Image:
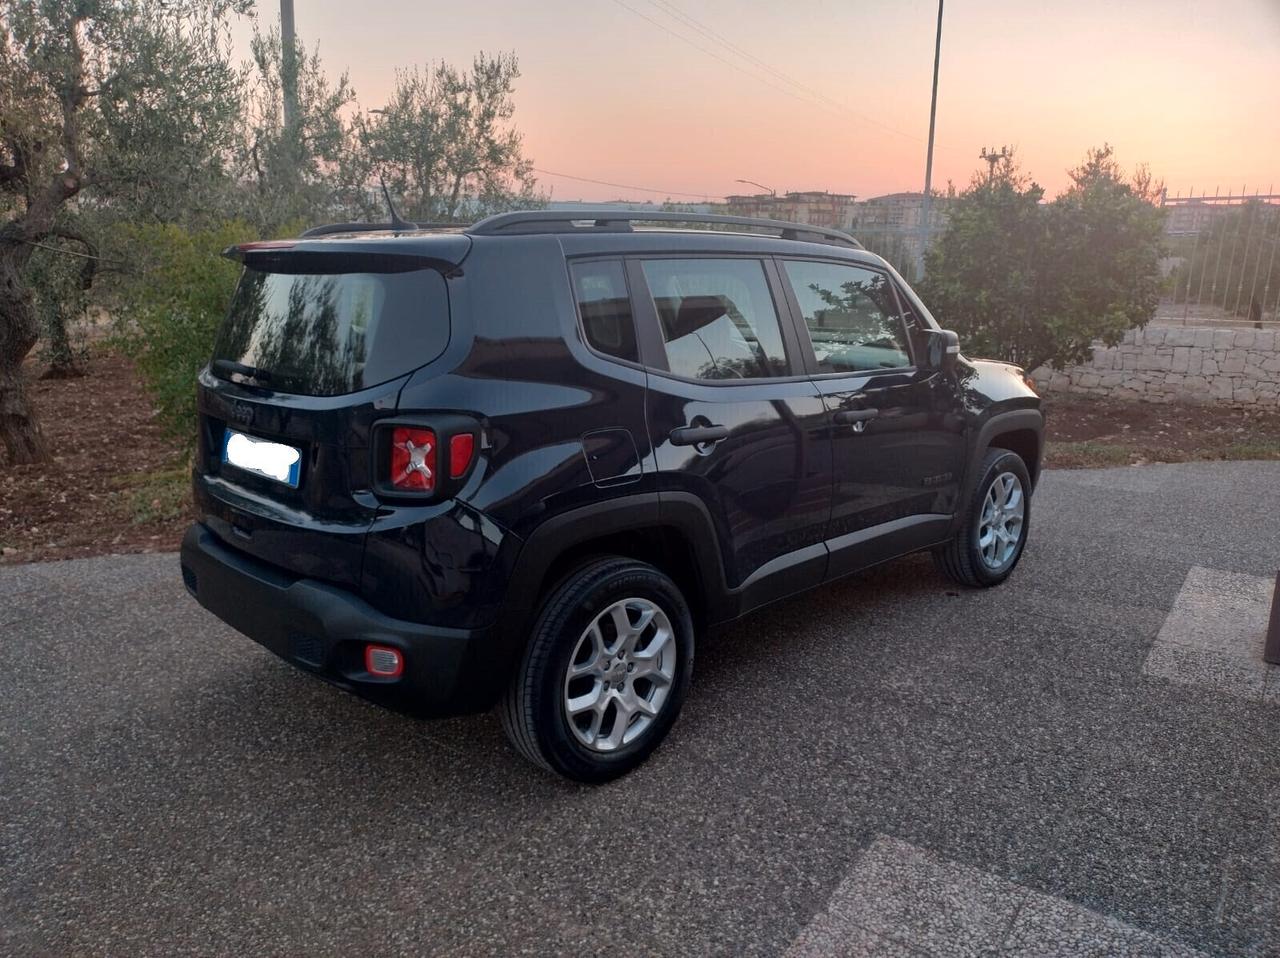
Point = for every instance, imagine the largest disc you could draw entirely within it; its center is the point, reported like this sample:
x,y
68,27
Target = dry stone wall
x,y
1167,364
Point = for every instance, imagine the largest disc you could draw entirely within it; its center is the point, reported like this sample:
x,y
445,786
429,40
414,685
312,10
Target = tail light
x,y
427,458
413,459
462,448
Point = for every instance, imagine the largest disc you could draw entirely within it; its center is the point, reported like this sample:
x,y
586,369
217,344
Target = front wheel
x,y
605,672
994,526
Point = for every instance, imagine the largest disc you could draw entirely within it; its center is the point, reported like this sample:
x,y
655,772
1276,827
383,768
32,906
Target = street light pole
x,y
761,185
927,200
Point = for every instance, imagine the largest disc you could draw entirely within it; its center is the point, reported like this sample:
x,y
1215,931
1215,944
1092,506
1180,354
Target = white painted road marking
x,y
902,900
1214,635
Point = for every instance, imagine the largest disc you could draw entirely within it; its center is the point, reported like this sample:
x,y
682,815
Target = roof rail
x,y
619,221
331,228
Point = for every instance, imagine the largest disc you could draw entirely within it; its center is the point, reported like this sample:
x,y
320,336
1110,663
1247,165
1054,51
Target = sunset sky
x,y
835,95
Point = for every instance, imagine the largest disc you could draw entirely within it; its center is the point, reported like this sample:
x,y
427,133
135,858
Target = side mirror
x,y
942,347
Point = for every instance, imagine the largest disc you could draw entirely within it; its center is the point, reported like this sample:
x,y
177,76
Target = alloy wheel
x,y
620,674
1002,521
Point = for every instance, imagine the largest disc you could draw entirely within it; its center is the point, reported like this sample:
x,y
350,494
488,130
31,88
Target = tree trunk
x,y
19,431
62,356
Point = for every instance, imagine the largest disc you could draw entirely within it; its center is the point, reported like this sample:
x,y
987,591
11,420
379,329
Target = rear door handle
x,y
698,435
845,417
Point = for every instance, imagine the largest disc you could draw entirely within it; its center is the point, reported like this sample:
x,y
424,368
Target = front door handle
x,y
845,417
698,435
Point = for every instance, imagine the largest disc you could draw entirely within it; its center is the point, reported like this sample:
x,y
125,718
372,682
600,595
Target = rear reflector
x,y
413,459
383,661
461,448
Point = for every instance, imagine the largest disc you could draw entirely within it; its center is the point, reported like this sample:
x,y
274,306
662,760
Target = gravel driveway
x,y
882,765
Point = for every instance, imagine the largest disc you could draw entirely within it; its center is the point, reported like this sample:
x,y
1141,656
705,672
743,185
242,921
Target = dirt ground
x,y
1086,431
117,484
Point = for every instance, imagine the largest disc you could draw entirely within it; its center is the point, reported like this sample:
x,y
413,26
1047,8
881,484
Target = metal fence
x,y
1223,263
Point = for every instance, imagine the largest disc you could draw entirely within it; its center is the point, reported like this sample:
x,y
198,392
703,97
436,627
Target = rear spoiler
x,y
441,253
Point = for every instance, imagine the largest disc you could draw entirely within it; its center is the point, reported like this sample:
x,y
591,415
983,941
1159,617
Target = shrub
x,y
171,305
1035,283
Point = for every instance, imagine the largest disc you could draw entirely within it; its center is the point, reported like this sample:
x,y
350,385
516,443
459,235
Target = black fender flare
x,y
557,534
1010,421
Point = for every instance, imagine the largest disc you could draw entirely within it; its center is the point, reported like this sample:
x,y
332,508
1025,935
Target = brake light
x,y
462,448
413,459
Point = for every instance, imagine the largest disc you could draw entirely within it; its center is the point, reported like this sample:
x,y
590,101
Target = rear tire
x,y
994,526
605,672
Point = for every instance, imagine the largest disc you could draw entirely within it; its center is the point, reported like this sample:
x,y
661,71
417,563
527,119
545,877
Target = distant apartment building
x,y
815,207
1185,215
1190,215
903,211
643,206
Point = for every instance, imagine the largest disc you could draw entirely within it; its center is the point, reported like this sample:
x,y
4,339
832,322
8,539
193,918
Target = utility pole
x,y
288,65
927,200
992,159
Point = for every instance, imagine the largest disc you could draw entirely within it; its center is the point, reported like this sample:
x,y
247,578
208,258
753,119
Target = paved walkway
x,y
887,766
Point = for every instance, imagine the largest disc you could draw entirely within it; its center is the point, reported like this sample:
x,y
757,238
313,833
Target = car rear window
x,y
325,334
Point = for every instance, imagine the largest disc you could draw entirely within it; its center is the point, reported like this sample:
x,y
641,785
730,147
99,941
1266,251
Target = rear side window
x,y
605,308
852,316
325,334
718,318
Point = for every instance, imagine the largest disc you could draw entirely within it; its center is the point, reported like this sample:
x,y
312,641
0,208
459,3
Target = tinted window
x,y
323,334
718,319
852,316
605,308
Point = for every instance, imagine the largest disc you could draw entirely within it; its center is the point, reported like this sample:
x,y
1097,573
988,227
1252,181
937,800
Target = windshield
x,y
324,334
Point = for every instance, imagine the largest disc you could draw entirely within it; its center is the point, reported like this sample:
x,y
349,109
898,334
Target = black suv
x,y
526,462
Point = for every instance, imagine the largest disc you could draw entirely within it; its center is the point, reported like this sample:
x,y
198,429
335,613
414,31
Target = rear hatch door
x,y
318,342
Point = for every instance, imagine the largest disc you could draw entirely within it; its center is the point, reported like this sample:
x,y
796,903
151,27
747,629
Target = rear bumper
x,y
324,630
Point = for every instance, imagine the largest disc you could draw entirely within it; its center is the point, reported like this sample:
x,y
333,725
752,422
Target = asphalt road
x,y
166,787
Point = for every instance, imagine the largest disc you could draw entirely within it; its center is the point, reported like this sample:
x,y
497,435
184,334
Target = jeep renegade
x,y
526,463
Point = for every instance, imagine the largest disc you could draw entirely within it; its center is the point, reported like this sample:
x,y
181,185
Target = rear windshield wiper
x,y
226,367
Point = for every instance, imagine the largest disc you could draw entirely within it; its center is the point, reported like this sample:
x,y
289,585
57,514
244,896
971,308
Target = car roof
x,y
452,243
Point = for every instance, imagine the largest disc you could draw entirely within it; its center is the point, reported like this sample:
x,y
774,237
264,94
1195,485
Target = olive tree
x,y
297,168
446,144
126,103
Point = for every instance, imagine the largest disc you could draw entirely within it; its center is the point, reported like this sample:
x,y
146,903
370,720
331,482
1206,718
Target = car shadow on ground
x,y
284,715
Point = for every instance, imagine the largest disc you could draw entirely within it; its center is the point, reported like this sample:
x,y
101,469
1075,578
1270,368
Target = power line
x,y
810,96
715,37
626,186
727,62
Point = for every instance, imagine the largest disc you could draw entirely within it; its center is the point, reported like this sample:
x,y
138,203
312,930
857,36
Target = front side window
x,y
605,308
851,314
718,318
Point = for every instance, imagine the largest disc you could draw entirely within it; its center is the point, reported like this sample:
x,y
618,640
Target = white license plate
x,y
274,460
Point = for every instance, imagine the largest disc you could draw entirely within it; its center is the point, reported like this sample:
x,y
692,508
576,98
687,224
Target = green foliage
x,y
299,174
134,101
446,144
1090,454
176,299
1036,283
155,496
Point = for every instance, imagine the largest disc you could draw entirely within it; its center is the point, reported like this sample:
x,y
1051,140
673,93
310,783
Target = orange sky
x,y
1191,87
